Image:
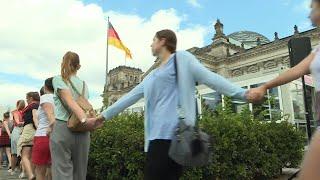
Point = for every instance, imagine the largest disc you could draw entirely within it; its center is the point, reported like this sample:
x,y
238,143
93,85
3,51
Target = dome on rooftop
x,y
248,38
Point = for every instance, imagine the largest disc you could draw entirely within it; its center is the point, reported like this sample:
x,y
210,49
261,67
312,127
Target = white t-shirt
x,y
42,116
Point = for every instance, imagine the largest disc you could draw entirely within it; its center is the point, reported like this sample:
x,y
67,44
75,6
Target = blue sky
x,y
33,41
265,17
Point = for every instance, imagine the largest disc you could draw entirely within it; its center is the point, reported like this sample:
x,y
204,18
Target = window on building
x,y
297,101
211,100
296,90
271,108
238,105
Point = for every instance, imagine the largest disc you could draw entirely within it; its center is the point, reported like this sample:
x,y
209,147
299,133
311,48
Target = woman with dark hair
x,y
5,143
172,82
18,126
25,143
41,156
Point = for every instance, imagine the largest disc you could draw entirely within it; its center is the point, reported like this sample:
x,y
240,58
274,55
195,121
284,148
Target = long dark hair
x,y
34,95
6,115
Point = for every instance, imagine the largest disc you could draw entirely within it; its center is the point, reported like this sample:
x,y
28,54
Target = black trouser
x,y
159,166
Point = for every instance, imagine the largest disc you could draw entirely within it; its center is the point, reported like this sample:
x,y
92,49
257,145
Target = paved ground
x,y
287,173
4,175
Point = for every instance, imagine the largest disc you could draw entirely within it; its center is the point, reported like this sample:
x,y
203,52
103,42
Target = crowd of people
x,y
28,137
24,134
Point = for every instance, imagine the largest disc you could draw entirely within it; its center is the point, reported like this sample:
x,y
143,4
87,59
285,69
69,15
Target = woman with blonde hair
x,y
69,150
17,129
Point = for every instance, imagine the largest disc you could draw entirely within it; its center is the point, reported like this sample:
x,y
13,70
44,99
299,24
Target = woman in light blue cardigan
x,y
161,93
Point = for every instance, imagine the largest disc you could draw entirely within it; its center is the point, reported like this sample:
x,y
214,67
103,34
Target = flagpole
x,y
106,80
107,53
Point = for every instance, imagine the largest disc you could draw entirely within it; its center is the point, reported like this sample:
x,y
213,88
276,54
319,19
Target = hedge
x,y
244,147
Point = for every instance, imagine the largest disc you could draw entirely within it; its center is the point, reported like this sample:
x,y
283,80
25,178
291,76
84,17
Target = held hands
x,y
50,128
49,131
96,122
256,95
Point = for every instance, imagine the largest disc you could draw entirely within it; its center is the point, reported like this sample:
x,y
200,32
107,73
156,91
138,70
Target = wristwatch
x,y
83,120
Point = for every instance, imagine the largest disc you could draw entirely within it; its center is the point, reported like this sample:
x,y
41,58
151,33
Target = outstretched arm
x,y
127,100
214,80
293,73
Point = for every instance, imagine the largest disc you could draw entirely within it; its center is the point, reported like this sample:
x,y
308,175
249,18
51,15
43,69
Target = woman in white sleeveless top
x,y
311,165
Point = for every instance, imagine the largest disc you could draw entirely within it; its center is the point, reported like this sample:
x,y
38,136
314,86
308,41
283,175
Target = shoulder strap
x,y
62,102
74,88
176,70
83,88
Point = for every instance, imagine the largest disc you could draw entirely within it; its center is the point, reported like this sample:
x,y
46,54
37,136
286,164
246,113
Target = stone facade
x,y
248,59
120,81
235,59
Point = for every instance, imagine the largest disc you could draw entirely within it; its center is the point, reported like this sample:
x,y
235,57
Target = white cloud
x,y
35,34
11,92
194,3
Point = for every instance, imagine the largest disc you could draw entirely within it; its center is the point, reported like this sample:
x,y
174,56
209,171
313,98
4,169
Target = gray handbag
x,y
189,146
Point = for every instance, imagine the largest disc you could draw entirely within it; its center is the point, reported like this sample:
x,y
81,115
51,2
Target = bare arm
x,y
293,73
6,126
303,68
49,110
66,96
16,119
311,162
35,117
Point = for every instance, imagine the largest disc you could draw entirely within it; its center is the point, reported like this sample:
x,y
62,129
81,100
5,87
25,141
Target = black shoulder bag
x,y
189,146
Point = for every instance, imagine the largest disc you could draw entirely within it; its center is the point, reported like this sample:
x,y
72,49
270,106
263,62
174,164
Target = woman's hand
x,y
256,95
49,131
96,122
50,128
100,121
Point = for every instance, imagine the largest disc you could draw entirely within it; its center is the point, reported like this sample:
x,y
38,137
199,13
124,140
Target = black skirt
x,y
159,166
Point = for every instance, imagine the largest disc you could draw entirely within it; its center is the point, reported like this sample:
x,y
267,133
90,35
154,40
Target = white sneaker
x,y
22,176
10,170
12,173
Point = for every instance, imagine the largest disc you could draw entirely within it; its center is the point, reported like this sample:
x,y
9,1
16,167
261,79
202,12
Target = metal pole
x,y
306,107
107,53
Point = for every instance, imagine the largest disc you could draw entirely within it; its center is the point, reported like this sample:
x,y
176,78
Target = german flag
x,y
114,39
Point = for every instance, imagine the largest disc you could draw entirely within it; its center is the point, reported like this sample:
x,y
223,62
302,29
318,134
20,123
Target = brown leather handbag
x,y
74,123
